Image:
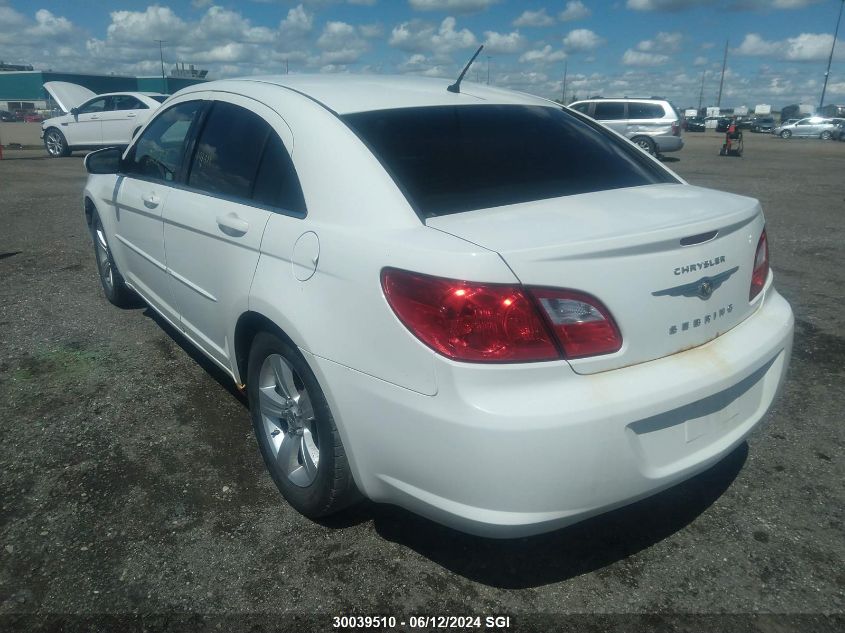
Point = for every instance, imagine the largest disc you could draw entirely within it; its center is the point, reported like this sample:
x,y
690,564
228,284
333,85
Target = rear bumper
x,y
508,451
668,143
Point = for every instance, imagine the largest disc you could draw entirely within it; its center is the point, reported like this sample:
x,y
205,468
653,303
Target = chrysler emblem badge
x,y
705,289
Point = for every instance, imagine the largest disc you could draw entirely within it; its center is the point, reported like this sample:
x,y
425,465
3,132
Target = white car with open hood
x,y
91,120
473,303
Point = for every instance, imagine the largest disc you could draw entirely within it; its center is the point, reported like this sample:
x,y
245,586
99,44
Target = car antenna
x,y
456,87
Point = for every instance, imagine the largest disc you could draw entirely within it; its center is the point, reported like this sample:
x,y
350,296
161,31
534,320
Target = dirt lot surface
x,y
130,481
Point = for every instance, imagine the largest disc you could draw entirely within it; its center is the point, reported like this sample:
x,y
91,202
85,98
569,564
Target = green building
x,y
24,90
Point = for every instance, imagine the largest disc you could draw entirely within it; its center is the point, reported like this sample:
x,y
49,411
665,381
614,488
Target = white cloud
x,y
575,10
680,5
452,6
662,42
665,5
417,36
582,40
700,61
534,18
542,56
503,42
341,44
639,58
802,48
49,25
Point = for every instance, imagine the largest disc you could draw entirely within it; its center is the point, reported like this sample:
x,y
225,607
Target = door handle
x,y
131,115
232,225
151,201
94,116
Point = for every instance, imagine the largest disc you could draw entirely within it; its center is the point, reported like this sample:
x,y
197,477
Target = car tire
x,y
645,144
56,143
826,135
114,287
295,430
785,134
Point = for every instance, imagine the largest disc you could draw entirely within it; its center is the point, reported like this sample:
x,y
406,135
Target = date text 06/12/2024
x,y
422,621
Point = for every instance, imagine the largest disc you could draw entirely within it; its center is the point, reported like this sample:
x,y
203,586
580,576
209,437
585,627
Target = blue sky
x,y
777,54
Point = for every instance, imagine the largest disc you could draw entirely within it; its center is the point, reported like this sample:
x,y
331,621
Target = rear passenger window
x,y
609,111
645,111
228,151
277,184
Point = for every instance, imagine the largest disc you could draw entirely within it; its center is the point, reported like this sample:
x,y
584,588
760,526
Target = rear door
x,y
121,119
613,114
647,118
214,224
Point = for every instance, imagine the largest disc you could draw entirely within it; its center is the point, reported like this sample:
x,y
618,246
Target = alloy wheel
x,y
288,422
55,145
104,261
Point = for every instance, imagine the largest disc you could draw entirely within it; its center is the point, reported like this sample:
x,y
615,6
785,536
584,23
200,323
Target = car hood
x,y
68,95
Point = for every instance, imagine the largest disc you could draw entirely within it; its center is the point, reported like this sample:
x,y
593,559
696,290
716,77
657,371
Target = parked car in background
x,y
723,124
812,127
8,117
32,117
763,124
652,124
694,124
469,279
839,133
744,122
94,120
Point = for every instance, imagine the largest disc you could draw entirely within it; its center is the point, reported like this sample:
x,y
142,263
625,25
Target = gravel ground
x,y
132,493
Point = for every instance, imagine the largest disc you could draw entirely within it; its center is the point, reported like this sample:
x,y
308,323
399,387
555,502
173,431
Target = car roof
x,y
345,94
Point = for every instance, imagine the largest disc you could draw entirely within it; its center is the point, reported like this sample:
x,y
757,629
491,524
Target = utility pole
x,y
161,56
722,80
830,59
563,92
701,92
488,70
287,70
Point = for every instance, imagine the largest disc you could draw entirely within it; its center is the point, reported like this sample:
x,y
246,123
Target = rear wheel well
x,y
248,326
89,212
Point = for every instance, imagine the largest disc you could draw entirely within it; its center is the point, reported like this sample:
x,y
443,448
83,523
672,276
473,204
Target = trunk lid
x,y
643,251
68,95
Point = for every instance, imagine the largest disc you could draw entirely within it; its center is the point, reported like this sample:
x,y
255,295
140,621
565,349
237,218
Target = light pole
x,y
830,59
488,70
161,56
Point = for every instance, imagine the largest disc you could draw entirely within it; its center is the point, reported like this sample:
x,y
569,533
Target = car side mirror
x,y
74,111
104,161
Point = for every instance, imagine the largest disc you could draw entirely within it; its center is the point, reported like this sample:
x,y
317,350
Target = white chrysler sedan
x,y
93,120
478,305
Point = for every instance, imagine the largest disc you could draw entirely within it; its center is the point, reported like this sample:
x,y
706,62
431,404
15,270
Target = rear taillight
x,y
676,129
761,267
583,326
477,322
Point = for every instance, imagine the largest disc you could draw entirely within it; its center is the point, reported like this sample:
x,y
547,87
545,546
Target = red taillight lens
x,y
581,323
469,321
761,267
676,129
499,323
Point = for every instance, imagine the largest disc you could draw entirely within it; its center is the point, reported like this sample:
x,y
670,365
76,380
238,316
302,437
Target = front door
x,y
148,172
214,225
86,128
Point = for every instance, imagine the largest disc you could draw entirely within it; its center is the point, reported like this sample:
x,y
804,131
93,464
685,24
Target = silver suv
x,y
653,124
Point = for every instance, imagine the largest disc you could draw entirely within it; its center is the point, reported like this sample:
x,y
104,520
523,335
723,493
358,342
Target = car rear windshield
x,y
450,159
159,98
